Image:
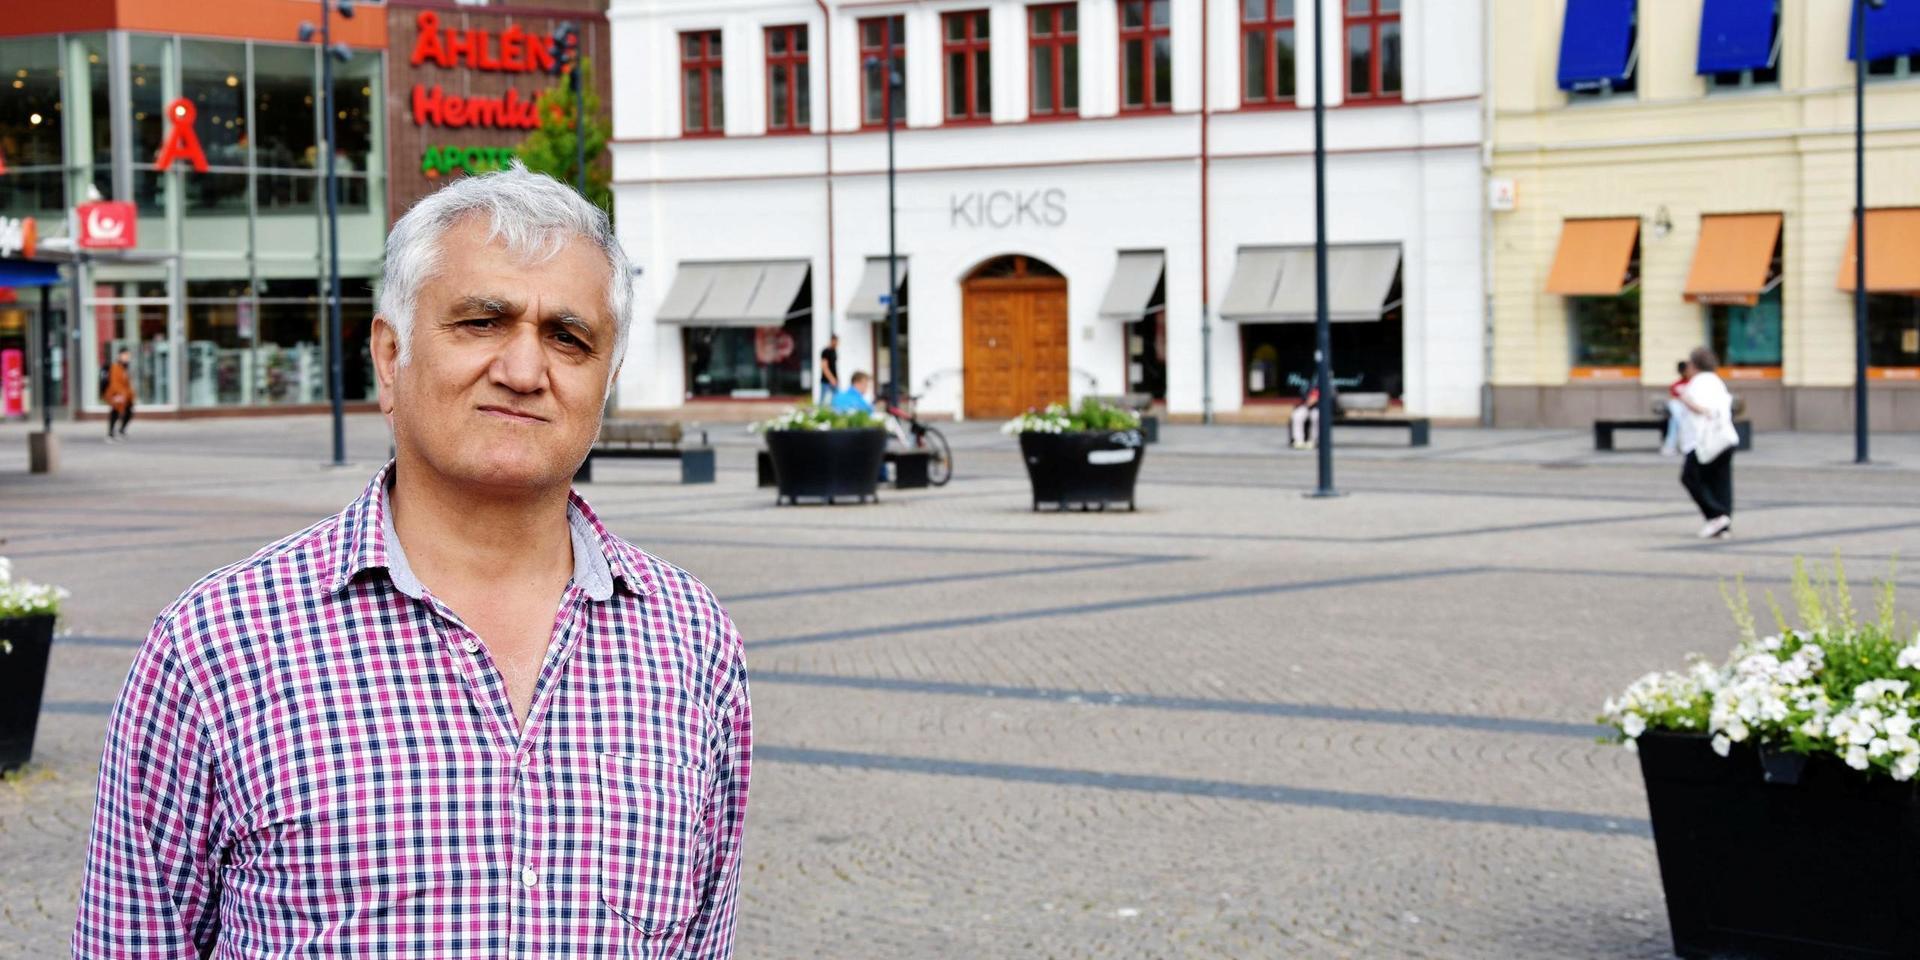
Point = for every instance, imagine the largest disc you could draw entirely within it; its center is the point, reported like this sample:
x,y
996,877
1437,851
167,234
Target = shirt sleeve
x,y
710,936
151,888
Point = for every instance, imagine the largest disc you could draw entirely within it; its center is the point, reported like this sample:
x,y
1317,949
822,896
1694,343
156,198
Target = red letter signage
x,y
181,141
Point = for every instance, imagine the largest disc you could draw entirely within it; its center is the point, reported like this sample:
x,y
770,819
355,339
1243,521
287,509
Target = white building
x,y
1070,221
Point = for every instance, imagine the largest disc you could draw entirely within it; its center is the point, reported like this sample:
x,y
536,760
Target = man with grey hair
x,y
460,718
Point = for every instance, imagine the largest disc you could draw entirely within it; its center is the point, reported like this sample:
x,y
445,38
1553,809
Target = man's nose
x,y
521,364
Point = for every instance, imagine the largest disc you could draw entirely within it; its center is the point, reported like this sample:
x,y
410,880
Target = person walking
x,y
1709,440
830,369
460,718
118,396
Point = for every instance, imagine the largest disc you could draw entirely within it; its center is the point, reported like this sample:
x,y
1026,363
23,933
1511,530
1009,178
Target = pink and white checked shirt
x,y
314,757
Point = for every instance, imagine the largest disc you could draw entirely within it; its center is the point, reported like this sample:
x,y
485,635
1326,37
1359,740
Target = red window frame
x,y
1372,16
893,36
1056,40
705,62
974,47
795,60
1268,25
1147,32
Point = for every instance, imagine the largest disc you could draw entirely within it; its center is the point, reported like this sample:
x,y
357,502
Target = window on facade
x,y
1892,68
1266,51
1747,335
964,46
751,362
1373,49
883,55
213,74
1606,330
30,128
1146,55
1053,59
1610,60
703,101
788,110
1893,330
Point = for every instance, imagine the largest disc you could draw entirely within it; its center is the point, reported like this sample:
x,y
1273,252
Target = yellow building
x,y
1617,160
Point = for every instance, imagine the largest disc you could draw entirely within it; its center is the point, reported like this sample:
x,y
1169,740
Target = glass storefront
x,y
223,302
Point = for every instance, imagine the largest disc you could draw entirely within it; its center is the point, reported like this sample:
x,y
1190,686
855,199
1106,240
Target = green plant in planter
x,y
818,418
1091,416
22,598
1835,683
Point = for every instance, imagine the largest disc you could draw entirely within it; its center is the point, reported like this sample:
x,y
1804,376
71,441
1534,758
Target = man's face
x,y
510,363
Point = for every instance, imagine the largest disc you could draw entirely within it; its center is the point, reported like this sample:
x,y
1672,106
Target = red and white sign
x,y
107,225
772,345
17,237
12,383
181,143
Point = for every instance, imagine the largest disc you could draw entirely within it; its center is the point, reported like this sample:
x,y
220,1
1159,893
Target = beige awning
x,y
1277,285
742,293
869,301
1136,275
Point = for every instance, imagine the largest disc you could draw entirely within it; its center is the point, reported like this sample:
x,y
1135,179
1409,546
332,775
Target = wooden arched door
x,y
1014,318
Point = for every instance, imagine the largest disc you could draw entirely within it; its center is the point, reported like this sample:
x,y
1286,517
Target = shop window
x,y
1266,52
356,95
31,115
1893,330
1053,59
882,356
220,333
703,100
788,108
1146,55
749,362
883,55
966,50
151,65
1367,357
213,75
1747,335
1373,49
1605,330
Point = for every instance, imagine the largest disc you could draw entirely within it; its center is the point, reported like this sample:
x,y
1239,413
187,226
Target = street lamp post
x,y
894,83
1860,425
1323,333
329,52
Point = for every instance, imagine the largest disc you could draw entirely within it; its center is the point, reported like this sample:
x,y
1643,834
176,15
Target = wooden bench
x,y
1603,430
1140,403
1370,410
642,440
910,471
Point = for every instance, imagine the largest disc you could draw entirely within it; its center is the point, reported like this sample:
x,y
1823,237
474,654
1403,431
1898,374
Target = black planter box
x,y
1821,862
829,465
1083,469
23,679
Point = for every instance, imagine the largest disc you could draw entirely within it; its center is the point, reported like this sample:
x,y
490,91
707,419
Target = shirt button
x,y
529,877
471,646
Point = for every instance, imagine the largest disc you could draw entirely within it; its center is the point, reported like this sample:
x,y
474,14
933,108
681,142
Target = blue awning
x,y
1893,30
28,273
1596,41
1736,35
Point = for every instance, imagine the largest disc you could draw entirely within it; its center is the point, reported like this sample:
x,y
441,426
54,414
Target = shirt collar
x,y
364,540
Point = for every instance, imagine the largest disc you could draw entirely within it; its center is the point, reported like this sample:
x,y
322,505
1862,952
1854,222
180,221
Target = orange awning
x,y
1734,257
1893,252
1593,257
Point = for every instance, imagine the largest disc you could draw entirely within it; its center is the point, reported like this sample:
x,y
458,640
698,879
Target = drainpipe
x,y
826,30
1486,213
1206,321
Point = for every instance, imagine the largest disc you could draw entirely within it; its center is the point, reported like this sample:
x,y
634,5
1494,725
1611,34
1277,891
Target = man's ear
x,y
386,359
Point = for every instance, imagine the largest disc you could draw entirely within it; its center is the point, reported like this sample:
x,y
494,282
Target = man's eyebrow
x,y
485,303
570,317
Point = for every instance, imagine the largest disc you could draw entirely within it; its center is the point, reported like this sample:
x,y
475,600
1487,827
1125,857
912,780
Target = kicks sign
x,y
1008,208
107,225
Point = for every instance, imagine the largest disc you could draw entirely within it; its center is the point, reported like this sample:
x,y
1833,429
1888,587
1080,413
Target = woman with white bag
x,y
1707,471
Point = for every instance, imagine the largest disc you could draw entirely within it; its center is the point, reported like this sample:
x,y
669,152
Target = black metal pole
x,y
579,121
1323,333
1860,424
336,387
45,391
893,256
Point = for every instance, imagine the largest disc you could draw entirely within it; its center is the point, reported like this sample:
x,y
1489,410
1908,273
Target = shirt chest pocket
x,y
653,840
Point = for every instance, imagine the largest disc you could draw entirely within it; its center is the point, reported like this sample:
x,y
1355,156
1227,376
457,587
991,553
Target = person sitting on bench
x,y
853,397
1303,426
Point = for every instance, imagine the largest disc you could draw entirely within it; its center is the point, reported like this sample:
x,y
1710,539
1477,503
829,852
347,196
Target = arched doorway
x,y
1014,318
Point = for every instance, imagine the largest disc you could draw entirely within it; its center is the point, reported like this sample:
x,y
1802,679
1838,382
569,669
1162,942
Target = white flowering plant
x,y
1092,415
806,417
22,598
1834,684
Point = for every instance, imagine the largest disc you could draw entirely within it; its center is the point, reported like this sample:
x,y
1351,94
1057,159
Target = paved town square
x,y
1237,723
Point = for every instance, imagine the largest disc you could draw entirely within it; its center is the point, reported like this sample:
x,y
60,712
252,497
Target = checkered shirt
x,y
313,756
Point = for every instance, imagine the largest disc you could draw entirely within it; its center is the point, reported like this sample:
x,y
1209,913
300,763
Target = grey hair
x,y
532,213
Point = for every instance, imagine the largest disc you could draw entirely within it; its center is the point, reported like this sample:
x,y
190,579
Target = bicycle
x,y
905,429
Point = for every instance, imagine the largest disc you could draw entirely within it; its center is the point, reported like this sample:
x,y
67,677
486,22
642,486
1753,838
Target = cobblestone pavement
x,y
1238,723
